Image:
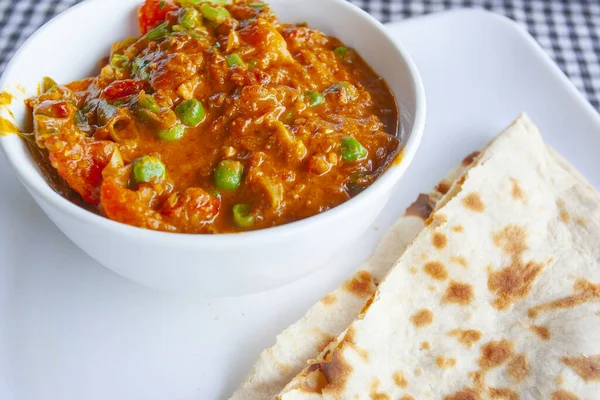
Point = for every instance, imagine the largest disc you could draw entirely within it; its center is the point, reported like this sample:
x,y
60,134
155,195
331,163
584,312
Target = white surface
x,y
73,330
225,264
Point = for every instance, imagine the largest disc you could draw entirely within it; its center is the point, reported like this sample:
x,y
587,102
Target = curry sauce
x,y
219,118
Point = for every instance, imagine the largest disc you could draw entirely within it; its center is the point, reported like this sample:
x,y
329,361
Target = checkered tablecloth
x,y
568,30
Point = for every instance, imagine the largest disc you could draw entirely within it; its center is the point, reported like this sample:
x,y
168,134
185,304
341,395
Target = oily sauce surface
x,y
304,119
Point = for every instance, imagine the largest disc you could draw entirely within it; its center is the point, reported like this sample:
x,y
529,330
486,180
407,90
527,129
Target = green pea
x,y
148,102
235,59
147,169
173,133
189,18
341,51
228,174
352,150
314,98
242,216
218,15
190,112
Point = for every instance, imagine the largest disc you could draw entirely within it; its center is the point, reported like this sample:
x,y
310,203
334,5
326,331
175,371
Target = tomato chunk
x,y
193,209
153,12
123,88
81,165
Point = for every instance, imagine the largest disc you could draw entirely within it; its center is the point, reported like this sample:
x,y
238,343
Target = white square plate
x,y
71,330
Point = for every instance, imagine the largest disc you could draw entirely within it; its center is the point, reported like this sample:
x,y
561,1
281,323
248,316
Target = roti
x,y
497,298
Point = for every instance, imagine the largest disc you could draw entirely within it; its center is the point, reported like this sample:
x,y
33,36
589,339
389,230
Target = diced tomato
x,y
130,206
122,204
123,88
153,12
194,208
61,109
53,108
263,35
81,165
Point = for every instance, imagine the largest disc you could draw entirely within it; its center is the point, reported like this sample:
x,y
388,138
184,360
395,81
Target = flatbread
x,y
498,298
323,322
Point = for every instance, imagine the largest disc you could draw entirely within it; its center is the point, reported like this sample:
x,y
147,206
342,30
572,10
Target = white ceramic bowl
x,y
70,46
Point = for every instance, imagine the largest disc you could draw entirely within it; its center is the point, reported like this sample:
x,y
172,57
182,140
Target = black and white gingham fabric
x,y
569,30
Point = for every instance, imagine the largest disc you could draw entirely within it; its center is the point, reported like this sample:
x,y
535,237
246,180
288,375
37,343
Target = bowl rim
x,y
390,176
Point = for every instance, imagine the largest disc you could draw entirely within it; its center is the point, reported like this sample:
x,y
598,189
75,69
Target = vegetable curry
x,y
219,118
